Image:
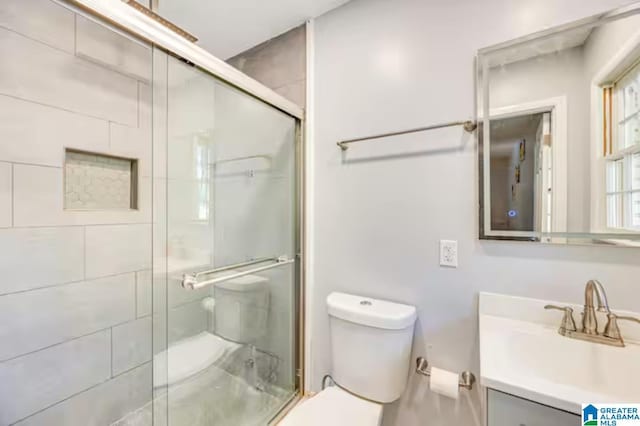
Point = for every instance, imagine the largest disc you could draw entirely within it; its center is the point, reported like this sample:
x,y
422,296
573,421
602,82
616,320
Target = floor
x,y
230,392
300,401
213,398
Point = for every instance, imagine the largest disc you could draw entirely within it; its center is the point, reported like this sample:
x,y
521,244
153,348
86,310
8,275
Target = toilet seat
x,y
189,356
334,407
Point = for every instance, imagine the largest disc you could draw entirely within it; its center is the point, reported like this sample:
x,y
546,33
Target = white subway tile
x,y
113,249
177,323
144,293
39,318
132,142
159,122
39,201
6,190
37,134
42,74
160,325
40,257
38,195
192,98
185,321
131,345
145,416
145,104
100,405
136,142
112,49
160,211
42,20
35,381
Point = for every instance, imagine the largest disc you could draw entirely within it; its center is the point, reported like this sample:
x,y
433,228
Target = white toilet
x,y
240,311
371,349
242,308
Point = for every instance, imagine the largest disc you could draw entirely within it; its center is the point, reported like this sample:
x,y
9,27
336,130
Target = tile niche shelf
x,y
94,181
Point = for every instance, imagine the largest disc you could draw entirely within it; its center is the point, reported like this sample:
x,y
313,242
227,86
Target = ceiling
x,y
542,46
228,27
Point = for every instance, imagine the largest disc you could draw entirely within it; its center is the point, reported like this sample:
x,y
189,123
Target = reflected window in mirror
x,y
621,149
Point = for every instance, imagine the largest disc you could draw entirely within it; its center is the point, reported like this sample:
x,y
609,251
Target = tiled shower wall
x,y
279,63
75,286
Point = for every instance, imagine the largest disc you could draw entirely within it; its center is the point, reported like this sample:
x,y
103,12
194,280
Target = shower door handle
x,y
190,281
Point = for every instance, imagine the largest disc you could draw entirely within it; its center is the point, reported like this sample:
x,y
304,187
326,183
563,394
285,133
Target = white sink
x,y
521,353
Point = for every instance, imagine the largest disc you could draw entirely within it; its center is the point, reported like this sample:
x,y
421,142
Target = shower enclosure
x,y
151,239
226,239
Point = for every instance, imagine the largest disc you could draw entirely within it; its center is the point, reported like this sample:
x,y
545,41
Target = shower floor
x,y
227,401
213,397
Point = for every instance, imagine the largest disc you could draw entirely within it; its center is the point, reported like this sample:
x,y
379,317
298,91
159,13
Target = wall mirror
x,y
559,133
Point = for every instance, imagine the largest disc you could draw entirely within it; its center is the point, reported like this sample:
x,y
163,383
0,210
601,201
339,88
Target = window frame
x,y
616,151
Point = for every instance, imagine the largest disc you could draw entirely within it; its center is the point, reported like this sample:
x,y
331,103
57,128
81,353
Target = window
x,y
622,150
201,154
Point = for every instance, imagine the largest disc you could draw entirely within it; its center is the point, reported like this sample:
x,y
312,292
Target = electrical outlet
x,y
449,253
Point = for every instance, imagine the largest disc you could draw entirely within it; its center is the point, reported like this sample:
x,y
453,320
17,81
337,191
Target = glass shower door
x,y
224,251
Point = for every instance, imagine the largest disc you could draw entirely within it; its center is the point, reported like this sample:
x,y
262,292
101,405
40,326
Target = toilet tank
x,y
242,308
371,345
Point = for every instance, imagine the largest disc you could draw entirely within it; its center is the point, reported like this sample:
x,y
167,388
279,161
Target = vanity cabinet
x,y
508,410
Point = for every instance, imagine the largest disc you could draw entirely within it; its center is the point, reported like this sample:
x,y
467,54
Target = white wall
x,y
382,66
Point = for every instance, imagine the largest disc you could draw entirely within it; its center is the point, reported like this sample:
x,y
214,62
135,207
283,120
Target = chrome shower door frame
x,y
148,26
156,32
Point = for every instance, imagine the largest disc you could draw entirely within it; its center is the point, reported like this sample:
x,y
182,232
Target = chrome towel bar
x,y
468,126
190,281
466,380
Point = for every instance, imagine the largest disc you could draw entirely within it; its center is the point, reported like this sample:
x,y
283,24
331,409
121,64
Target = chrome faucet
x,y
589,332
589,319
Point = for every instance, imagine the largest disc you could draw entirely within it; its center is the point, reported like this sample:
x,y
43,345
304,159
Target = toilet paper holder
x,y
466,378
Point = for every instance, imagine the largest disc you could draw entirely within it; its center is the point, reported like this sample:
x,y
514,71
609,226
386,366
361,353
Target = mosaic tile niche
x,y
99,182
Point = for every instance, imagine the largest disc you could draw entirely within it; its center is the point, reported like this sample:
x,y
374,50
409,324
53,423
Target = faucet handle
x,y
568,323
611,330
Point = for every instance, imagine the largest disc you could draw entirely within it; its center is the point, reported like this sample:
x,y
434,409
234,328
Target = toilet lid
x,y
334,407
189,356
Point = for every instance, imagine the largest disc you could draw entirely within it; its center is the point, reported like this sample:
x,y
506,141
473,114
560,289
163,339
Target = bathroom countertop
x,y
522,354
